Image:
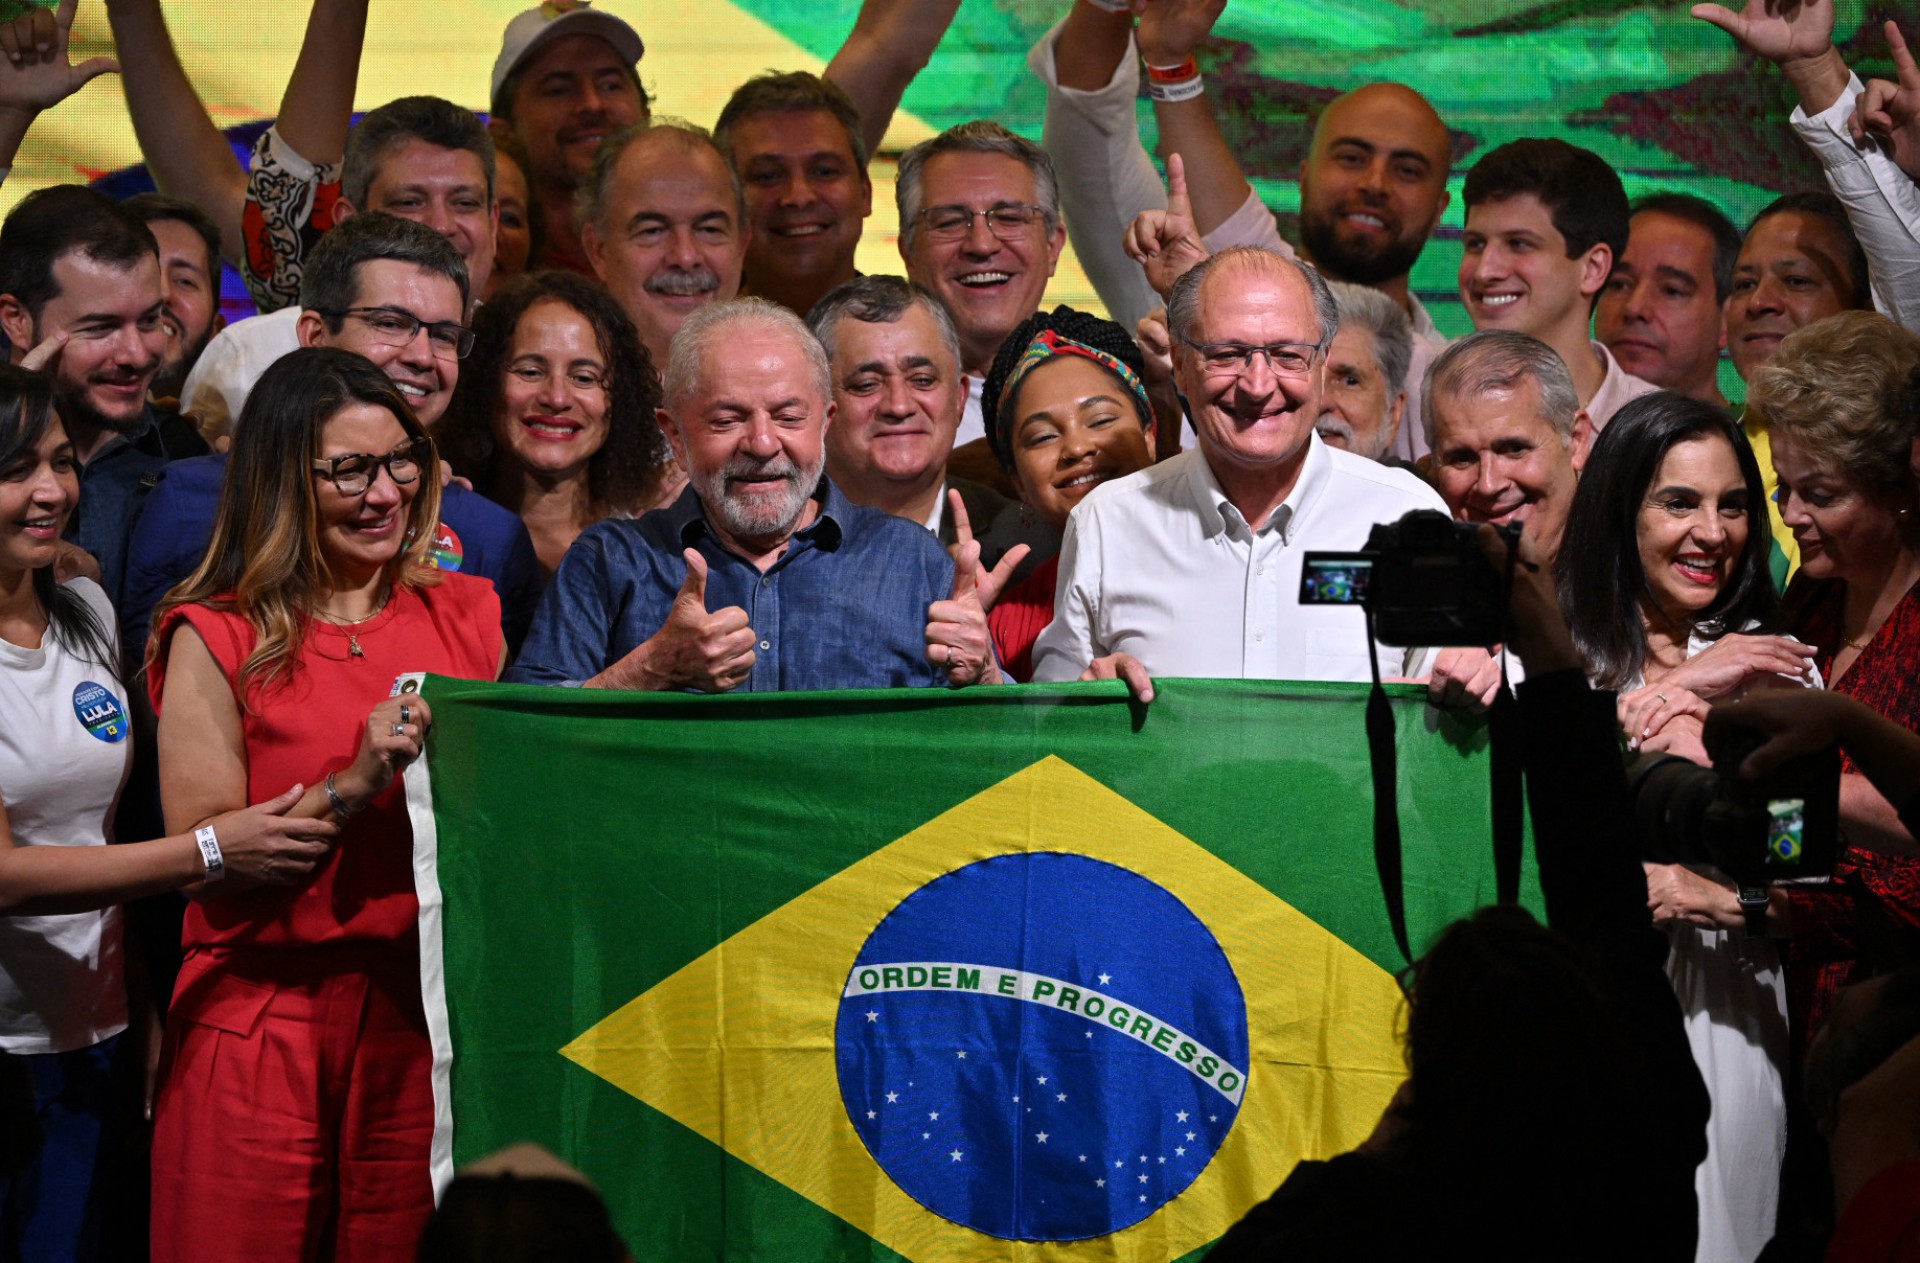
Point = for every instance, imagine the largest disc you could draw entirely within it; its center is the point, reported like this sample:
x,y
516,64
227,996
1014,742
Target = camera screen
x,y
1786,830
1335,580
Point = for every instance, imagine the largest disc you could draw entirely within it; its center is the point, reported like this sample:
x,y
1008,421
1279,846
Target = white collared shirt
x,y
1160,565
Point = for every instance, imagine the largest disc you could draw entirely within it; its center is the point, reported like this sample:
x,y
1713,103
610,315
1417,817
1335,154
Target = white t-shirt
x,y
1160,565
65,746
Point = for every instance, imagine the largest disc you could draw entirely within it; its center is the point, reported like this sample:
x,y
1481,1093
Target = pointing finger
x,y
1179,205
966,570
962,527
1902,57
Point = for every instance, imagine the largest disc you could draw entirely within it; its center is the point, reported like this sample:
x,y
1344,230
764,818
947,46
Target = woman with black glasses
x,y
296,1110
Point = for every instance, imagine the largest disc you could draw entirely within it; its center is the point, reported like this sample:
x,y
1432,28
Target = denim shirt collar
x,y
688,518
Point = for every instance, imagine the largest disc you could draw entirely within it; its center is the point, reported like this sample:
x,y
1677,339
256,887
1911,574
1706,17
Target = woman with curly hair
x,y
1065,411
553,416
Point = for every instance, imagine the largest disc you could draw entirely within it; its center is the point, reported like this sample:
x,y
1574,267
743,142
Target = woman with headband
x,y
1065,411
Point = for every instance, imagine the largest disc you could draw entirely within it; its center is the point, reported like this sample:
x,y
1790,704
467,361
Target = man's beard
x,y
767,521
1321,240
78,412
172,377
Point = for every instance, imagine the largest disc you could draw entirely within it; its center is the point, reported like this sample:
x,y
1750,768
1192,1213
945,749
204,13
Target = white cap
x,y
535,28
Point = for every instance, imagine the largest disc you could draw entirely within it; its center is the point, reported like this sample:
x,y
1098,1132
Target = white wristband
x,y
1184,90
210,853
1112,6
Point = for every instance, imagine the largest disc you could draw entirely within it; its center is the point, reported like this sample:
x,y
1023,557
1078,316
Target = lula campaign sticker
x,y
446,551
100,711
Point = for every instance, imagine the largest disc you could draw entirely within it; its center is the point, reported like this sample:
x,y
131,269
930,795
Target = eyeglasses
x,y
354,473
1007,221
396,326
1286,359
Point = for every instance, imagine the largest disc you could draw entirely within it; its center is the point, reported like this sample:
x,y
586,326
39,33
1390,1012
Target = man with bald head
x,y
1372,188
761,576
664,224
1192,567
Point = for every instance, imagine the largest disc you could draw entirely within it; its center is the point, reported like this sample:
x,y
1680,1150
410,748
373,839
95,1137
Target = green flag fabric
x,y
1016,973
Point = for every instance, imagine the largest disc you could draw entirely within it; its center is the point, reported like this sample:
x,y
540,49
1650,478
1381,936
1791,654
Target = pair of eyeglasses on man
x,y
1007,221
396,326
354,473
1287,359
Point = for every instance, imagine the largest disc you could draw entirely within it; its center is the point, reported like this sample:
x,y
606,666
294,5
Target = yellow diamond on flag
x,y
744,1044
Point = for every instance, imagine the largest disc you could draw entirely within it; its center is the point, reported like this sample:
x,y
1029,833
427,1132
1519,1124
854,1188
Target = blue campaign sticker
x,y
101,712
1042,1047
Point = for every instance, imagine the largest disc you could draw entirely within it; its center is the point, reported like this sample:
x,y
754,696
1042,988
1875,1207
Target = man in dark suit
x,y
897,383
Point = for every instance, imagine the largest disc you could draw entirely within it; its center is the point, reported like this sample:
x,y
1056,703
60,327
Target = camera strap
x,y
1384,761
1505,776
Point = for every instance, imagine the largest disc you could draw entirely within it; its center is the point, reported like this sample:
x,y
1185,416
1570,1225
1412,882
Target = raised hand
x,y
957,638
1167,243
1170,30
1888,114
35,74
1779,30
694,649
989,584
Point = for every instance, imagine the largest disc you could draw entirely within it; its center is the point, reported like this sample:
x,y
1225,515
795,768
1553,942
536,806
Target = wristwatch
x,y
1753,904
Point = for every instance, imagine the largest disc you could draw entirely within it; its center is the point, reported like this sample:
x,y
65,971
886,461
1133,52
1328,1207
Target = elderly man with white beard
x,y
1364,400
762,576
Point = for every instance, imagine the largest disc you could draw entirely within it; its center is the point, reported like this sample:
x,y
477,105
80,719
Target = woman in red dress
x,y
296,1112
1065,411
1843,398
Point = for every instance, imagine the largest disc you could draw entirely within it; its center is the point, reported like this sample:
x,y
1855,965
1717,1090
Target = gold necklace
x,y
353,638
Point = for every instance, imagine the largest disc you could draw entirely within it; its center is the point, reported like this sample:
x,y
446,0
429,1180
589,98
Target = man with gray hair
x,y
664,223
1193,566
1366,395
761,576
980,229
1509,438
897,389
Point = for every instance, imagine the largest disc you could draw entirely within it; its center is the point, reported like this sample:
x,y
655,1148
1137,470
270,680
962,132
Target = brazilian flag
x,y
1012,974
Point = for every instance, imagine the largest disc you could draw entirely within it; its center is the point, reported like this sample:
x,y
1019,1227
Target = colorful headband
x,y
1045,346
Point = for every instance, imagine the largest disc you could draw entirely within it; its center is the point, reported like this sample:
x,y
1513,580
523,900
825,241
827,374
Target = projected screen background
x,y
1665,98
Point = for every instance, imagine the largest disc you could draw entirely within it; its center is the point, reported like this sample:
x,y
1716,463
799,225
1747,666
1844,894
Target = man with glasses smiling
x,y
980,228
1192,567
394,291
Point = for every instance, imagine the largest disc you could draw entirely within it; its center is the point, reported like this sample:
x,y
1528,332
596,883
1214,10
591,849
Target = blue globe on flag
x,y
1042,1046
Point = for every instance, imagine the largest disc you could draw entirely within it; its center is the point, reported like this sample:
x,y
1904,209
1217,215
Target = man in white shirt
x,y
1192,567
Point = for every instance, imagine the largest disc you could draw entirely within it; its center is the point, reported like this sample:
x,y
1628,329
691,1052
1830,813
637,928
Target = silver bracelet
x,y
340,807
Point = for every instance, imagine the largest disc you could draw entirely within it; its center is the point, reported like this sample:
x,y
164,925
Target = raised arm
x,y
317,108
1797,36
891,42
187,155
1169,32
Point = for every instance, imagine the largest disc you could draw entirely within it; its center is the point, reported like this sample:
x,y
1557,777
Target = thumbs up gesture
x,y
694,649
957,636
1167,243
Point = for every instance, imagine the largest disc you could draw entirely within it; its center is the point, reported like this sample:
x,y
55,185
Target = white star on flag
x,y
1061,1097
956,1155
934,1117
872,1115
1105,979
1189,1135
1099,1183
1041,1137
893,1098
1143,1177
1179,1152
872,1016
1181,1116
962,1054
1043,1080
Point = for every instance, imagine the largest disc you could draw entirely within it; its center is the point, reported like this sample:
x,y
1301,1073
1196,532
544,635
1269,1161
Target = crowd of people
x,y
573,394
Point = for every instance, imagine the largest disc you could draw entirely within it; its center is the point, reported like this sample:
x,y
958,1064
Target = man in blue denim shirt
x,y
762,575
80,281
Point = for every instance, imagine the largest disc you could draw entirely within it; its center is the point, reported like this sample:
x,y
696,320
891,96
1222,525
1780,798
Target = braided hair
x,y
1089,330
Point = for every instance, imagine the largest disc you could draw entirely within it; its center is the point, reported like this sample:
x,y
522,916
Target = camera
x,y
1785,826
1424,578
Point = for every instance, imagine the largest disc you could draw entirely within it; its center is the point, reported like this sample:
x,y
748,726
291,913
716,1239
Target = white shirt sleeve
x,y
1881,200
1106,177
1066,647
1252,225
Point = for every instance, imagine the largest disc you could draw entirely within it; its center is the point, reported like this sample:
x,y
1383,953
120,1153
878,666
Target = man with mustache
x,y
82,272
897,392
664,221
761,576
1372,187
